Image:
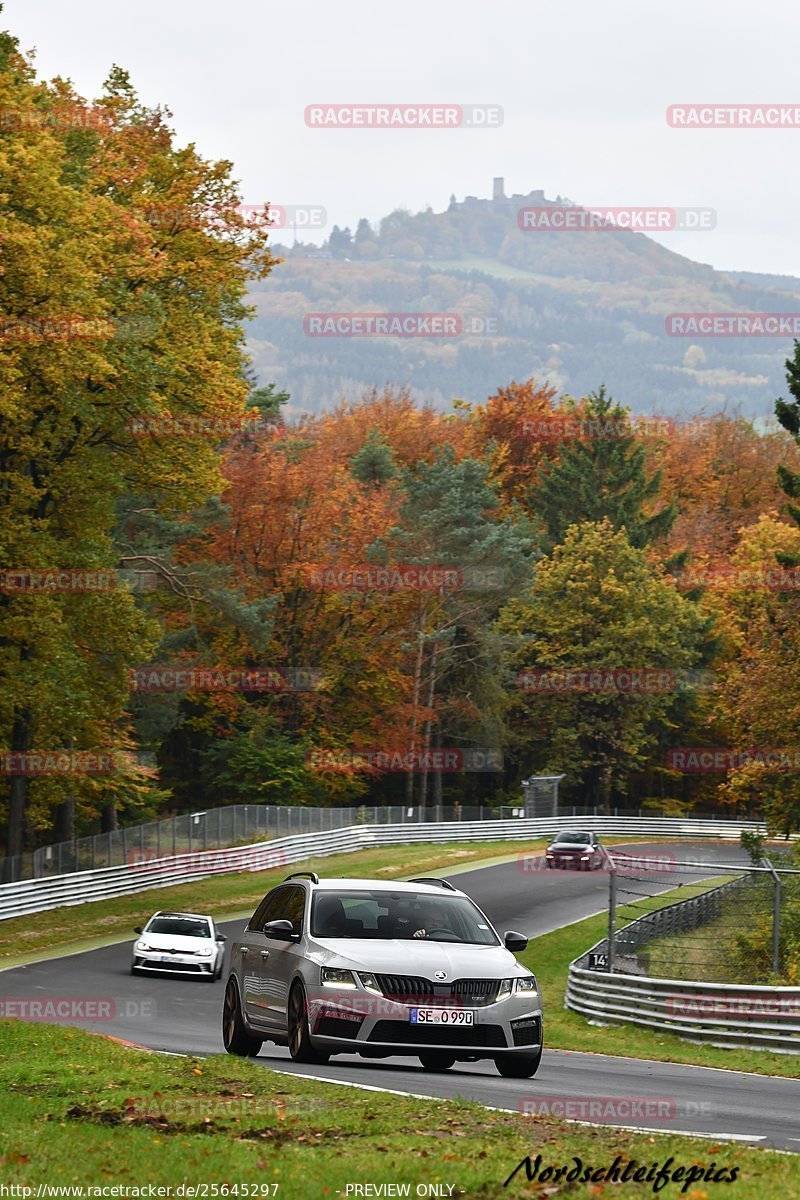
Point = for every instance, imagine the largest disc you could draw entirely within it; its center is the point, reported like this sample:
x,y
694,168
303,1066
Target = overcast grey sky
x,y
584,88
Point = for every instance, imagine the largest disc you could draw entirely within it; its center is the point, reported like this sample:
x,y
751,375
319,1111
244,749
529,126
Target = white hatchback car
x,y
181,944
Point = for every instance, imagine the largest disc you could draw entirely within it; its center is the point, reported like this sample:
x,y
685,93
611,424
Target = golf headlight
x,y
369,982
208,951
527,984
142,946
334,977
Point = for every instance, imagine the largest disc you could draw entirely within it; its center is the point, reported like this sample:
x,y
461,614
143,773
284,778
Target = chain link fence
x,y
214,829
241,824
720,923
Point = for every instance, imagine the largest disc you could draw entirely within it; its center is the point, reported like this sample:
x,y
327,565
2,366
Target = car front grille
x,y
414,989
401,1033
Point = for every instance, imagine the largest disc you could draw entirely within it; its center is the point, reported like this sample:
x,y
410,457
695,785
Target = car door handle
x,y
244,949
265,953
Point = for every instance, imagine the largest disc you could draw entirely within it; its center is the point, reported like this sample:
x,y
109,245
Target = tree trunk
x,y
437,774
423,800
18,797
108,818
415,704
64,821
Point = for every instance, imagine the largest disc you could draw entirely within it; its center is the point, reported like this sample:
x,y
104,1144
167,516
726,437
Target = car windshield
x,y
576,839
386,915
180,926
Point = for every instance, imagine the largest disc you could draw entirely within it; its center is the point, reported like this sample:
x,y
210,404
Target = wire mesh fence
x,y
215,829
241,824
716,922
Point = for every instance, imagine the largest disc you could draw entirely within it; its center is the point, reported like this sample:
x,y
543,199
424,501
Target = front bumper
x,y
362,1023
569,862
174,964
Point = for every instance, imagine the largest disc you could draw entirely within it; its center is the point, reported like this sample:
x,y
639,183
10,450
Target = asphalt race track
x,y
183,1016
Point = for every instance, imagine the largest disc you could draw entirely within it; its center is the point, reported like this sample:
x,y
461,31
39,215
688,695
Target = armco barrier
x,y
721,1014
39,895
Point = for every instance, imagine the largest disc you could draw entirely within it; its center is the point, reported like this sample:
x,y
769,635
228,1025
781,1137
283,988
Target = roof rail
x,y
312,875
443,883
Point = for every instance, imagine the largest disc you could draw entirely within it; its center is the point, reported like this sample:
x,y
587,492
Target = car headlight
x,y
142,946
505,988
369,982
208,951
334,977
527,984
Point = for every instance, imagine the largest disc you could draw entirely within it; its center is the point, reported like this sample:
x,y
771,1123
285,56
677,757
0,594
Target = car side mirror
x,y
515,941
138,929
222,937
282,931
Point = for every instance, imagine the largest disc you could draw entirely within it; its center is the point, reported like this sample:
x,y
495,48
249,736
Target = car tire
x,y
235,1036
436,1060
300,1045
518,1066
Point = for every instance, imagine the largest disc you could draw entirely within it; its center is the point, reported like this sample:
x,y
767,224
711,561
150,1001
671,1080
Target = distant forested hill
x,y
575,308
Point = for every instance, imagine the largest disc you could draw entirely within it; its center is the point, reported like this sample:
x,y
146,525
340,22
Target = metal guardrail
x,y
240,824
216,829
40,895
721,1014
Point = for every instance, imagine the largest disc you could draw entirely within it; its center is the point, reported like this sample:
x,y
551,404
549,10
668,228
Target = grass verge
x,y
77,1109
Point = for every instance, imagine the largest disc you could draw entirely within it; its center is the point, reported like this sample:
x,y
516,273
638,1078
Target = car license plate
x,y
442,1016
166,958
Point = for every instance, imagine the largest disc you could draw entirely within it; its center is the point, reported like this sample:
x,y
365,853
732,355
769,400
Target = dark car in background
x,y
575,849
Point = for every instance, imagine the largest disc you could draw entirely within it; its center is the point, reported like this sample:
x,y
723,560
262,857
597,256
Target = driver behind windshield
x,y
435,919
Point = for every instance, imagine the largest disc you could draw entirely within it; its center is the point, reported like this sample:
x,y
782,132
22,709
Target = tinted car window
x,y
293,909
390,915
577,839
266,909
183,926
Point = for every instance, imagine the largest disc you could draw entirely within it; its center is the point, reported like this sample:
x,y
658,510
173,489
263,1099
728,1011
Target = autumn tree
x,y
600,474
125,262
596,605
758,701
